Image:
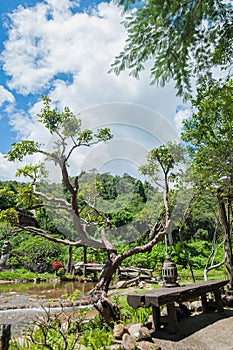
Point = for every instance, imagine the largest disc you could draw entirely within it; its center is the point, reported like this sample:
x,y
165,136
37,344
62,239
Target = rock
x,y
120,284
196,306
164,311
81,347
115,347
32,299
146,345
128,342
144,333
134,330
228,300
119,330
149,322
182,311
144,285
138,331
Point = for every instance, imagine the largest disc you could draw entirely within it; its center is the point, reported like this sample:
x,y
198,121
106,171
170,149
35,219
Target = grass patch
x,y
23,275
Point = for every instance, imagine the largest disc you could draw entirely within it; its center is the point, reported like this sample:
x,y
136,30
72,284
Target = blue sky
x,y
8,135
64,49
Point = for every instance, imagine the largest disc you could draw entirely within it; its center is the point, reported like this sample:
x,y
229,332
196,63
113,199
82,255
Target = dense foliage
x,y
36,254
180,40
209,136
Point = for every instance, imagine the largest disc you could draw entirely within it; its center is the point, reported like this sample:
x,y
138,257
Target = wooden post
x,y
84,270
69,262
85,254
5,336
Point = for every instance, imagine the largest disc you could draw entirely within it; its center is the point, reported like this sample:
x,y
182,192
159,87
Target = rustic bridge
x,y
122,273
170,295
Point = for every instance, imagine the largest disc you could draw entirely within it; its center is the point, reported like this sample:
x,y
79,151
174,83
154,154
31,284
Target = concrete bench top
x,y
166,295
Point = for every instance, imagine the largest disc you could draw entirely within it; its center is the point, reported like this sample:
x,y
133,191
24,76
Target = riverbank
x,y
20,303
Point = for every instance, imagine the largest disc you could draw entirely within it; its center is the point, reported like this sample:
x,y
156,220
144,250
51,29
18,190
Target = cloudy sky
x,y
64,49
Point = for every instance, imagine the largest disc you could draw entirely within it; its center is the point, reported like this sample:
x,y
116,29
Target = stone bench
x,y
171,295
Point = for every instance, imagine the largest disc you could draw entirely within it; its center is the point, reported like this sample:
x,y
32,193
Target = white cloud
x,y
182,114
48,39
5,96
7,169
68,55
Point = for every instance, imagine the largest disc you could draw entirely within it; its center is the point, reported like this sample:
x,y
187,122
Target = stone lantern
x,y
169,273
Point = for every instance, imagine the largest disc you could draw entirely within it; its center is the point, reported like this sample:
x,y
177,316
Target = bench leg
x,y
156,317
218,300
204,303
172,318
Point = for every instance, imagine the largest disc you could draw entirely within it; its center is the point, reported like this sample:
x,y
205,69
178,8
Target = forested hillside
x,y
122,199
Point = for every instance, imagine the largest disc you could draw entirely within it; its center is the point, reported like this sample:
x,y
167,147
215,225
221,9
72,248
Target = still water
x,y
21,302
45,289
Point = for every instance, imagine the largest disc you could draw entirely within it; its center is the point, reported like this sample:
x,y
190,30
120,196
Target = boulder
x,y
146,345
144,333
134,330
149,322
228,300
196,306
128,342
116,347
164,311
119,330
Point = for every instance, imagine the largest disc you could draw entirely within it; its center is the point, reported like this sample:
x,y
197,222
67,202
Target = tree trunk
x,y
85,254
69,262
5,336
99,294
227,239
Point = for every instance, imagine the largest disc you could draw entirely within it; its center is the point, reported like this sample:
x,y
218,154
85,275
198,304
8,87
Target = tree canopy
x,y
180,40
74,205
209,136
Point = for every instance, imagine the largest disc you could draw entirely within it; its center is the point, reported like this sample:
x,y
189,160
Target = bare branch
x,y
81,242
54,199
145,248
97,211
108,245
206,270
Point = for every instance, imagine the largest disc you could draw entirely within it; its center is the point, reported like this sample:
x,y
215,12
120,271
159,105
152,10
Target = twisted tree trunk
x,y
99,294
5,336
226,238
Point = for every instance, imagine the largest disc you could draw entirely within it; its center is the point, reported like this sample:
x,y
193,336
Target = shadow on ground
x,y
192,324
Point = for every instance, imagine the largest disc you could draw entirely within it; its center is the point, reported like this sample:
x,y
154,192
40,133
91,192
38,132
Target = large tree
x,y
209,133
180,40
82,217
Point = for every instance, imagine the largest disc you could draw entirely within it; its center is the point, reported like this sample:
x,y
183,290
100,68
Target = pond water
x,y
21,302
53,289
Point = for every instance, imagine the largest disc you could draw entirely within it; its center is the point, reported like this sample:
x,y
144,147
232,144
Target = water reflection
x,y
20,303
45,289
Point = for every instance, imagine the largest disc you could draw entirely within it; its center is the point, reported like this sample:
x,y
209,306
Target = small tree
x,y
83,213
160,162
209,133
